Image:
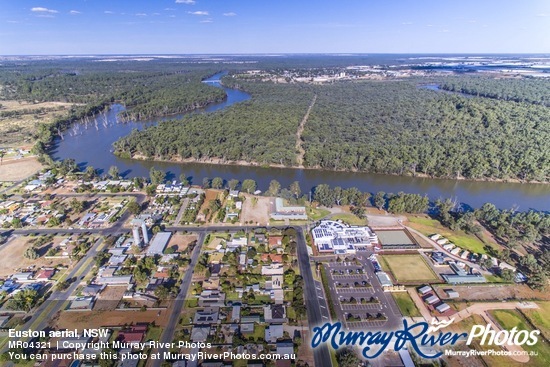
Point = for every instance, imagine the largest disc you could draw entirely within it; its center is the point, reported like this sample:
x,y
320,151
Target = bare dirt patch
x,y
12,259
180,242
494,292
19,169
255,209
209,196
93,319
384,220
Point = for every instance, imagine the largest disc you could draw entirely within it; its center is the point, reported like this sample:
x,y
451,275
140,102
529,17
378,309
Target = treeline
x,y
169,94
397,128
394,203
146,94
513,226
513,229
529,90
261,130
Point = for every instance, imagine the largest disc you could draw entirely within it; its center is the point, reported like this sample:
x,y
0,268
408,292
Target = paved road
x,y
47,310
168,334
184,205
321,353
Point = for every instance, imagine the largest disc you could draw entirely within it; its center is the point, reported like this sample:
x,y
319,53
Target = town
x,y
224,267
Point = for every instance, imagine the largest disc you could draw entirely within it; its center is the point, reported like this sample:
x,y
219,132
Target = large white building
x,y
158,244
340,238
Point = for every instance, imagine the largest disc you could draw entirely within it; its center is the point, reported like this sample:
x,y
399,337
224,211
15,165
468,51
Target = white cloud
x,y
230,14
543,15
429,25
13,21
198,12
74,12
207,21
188,2
169,9
109,12
43,10
141,14
406,23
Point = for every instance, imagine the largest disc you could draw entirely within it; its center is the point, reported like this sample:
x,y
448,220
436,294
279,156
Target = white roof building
x,y
332,236
158,243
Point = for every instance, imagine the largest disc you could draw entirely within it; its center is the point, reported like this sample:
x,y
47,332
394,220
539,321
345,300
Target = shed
x,y
431,300
452,293
442,307
425,289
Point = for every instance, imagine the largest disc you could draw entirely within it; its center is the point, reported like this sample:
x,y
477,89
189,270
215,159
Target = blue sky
x,y
258,26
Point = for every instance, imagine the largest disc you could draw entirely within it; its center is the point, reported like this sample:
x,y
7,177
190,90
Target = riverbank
x,y
243,163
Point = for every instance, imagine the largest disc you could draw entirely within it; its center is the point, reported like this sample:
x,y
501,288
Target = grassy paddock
x,y
350,218
463,240
406,304
539,317
409,268
509,319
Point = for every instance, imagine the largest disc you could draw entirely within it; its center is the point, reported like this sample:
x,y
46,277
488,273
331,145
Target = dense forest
x,y
262,130
385,127
529,90
398,128
146,94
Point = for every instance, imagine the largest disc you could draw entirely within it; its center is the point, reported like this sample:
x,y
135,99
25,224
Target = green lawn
x,y
316,213
406,304
290,313
509,319
463,240
350,218
408,268
494,279
153,333
540,317
259,332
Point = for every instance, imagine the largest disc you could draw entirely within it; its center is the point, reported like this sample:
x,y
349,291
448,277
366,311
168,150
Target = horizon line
x,y
278,54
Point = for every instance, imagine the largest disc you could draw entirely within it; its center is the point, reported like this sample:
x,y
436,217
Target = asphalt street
x,y
321,354
168,333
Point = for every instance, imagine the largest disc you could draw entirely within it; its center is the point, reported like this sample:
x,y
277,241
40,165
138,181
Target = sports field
x,y
408,268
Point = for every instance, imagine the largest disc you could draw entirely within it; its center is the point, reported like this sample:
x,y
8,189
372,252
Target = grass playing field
x,y
408,268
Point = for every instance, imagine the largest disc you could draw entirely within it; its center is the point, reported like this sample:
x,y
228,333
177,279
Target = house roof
x,y
275,240
45,273
131,336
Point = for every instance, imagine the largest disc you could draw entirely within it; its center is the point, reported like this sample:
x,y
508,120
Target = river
x,y
91,144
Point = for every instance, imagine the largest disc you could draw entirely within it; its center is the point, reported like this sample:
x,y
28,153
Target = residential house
x,y
273,332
